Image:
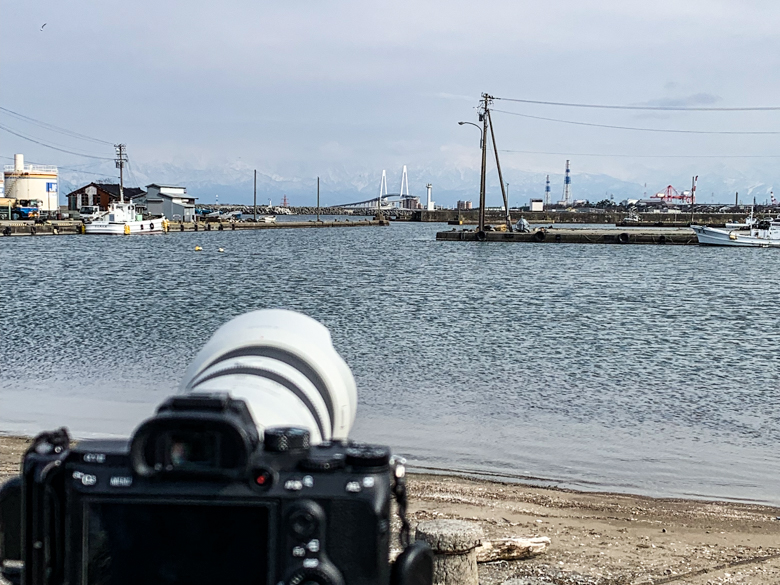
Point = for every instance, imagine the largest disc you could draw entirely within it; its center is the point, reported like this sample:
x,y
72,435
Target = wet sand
x,y
597,538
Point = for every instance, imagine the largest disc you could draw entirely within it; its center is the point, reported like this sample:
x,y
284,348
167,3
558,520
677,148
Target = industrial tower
x,y
547,193
566,187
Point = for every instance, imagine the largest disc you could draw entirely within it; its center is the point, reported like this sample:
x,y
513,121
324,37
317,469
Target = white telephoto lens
x,y
284,366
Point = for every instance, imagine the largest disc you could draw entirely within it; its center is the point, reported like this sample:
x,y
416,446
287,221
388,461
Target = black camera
x,y
204,493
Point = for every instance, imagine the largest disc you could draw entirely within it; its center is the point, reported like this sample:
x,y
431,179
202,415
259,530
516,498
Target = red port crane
x,y
670,194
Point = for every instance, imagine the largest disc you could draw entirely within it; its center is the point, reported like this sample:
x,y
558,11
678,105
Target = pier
x,y
71,227
658,236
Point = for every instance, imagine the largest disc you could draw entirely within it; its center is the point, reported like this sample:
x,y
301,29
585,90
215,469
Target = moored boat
x,y
122,219
764,233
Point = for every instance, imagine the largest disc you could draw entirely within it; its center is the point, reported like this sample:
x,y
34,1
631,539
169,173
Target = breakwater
x,y
70,227
658,236
471,216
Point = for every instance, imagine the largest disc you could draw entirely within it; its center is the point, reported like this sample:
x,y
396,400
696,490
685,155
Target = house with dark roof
x,y
101,194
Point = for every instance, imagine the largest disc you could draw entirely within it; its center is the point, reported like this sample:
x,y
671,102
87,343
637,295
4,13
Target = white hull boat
x,y
121,219
763,234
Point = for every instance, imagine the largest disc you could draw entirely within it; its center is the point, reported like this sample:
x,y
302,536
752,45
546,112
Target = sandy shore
x,y
597,538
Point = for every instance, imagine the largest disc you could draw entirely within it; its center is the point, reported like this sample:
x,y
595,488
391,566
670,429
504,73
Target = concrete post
x,y
454,545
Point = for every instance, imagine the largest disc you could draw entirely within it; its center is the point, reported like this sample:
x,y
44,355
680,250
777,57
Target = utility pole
x,y
121,159
255,195
318,199
500,177
693,194
484,116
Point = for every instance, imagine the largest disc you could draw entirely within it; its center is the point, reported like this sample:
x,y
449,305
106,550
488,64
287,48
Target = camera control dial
x,y
284,439
361,455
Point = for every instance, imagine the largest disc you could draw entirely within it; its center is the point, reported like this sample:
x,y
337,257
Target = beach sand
x,y
597,538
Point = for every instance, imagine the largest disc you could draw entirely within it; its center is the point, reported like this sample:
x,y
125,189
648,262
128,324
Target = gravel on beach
x,y
597,538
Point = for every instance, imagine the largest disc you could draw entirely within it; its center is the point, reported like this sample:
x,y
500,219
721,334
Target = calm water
x,y
631,368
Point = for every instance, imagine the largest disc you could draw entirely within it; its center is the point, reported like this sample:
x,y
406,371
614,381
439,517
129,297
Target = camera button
x,y
353,487
298,551
313,545
311,563
303,524
293,485
368,482
263,478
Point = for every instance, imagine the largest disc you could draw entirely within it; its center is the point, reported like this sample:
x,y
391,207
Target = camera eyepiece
x,y
197,434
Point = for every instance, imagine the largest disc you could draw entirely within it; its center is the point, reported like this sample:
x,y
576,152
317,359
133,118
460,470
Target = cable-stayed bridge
x,y
385,200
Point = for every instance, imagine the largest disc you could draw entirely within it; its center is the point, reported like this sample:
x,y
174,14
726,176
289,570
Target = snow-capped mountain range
x,y
233,183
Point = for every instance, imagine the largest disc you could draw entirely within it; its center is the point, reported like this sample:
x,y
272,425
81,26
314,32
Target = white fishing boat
x,y
122,219
749,222
764,233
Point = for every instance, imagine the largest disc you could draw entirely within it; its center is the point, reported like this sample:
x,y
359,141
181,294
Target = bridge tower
x,y
382,189
404,181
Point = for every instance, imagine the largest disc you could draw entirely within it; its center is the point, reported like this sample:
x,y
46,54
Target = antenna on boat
x,y
121,159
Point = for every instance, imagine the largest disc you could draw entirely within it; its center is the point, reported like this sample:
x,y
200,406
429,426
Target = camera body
x,y
197,496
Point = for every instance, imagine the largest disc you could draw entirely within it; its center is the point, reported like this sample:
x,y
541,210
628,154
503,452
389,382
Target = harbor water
x,y
643,369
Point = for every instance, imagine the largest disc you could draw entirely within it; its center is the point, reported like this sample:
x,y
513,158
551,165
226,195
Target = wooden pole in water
x,y
255,195
318,199
500,177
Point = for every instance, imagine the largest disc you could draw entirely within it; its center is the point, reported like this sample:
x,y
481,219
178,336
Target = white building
x,y
32,183
170,201
537,205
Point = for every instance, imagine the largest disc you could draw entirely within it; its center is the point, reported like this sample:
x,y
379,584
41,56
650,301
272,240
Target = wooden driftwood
x,y
511,549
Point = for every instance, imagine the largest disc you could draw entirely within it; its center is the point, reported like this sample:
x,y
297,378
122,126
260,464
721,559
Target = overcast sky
x,y
302,88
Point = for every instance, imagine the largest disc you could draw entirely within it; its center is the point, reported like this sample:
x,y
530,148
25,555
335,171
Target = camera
x,y
247,476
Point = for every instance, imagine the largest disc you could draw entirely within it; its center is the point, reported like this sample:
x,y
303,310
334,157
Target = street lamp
x,y
477,127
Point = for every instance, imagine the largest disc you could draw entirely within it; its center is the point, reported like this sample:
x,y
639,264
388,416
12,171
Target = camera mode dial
x,y
362,455
284,439
323,462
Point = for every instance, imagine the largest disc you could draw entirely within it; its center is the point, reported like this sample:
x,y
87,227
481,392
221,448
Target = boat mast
x,y
121,159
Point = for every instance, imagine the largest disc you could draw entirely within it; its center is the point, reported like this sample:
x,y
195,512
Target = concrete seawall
x,y
607,217
61,228
658,236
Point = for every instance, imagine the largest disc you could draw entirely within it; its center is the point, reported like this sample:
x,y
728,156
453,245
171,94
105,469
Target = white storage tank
x,y
32,183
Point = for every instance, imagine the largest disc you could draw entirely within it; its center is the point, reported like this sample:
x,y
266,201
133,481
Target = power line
x,y
53,127
646,155
73,169
132,174
635,128
662,108
50,146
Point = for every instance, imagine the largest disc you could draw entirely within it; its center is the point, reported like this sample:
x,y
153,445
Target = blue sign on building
x,y
51,187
